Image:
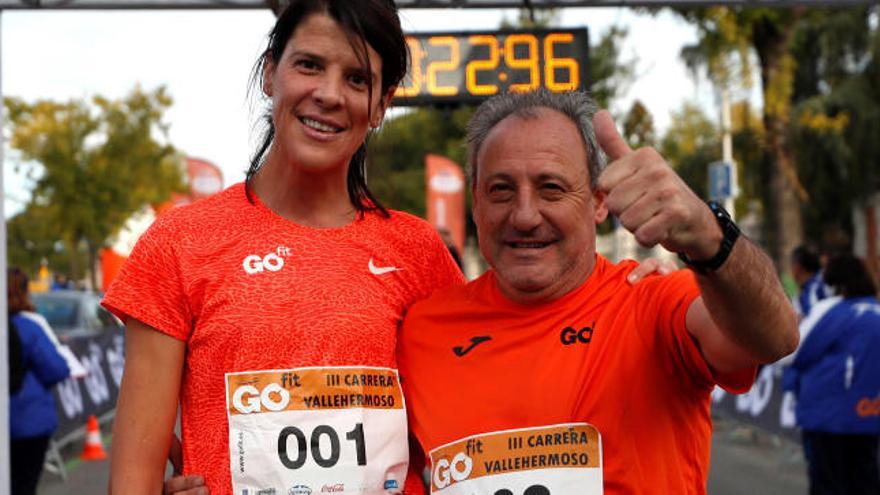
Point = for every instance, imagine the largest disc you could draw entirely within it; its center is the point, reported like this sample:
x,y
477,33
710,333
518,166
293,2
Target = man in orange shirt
x,y
551,373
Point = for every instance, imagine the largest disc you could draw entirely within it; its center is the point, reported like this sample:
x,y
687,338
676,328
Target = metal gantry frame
x,y
276,6
405,4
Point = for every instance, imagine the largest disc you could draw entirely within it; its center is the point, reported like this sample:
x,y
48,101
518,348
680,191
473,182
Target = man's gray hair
x,y
577,106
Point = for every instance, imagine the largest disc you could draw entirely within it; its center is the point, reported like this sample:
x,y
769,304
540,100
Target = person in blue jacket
x,y
35,367
807,272
836,378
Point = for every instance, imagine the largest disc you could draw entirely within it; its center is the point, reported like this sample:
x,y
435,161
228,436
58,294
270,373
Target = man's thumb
x,y
611,142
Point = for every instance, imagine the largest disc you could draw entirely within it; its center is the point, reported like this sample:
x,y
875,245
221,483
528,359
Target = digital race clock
x,y
471,66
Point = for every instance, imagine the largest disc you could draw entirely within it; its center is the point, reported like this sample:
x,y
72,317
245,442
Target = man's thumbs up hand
x,y
650,199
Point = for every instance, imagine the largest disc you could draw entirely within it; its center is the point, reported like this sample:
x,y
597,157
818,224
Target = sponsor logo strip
x,y
305,389
515,451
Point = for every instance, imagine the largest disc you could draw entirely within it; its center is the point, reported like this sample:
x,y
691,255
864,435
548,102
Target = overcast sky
x,y
204,58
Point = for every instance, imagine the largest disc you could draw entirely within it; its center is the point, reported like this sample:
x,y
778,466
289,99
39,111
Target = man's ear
x,y
268,70
383,105
600,207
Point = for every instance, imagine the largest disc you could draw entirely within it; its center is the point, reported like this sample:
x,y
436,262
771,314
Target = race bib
x,y
558,460
317,430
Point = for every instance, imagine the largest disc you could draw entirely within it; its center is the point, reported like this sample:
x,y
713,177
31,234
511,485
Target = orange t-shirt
x,y
610,354
248,290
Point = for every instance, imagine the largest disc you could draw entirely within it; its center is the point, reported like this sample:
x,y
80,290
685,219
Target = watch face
x,y
718,210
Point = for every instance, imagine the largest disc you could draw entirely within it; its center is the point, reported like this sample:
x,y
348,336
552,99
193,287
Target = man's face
x,y
536,215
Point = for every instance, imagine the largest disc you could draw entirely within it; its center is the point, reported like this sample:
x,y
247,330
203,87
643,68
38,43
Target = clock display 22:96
x,y
470,66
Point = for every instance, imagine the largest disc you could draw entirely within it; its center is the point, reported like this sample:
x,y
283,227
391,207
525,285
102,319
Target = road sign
x,y
721,181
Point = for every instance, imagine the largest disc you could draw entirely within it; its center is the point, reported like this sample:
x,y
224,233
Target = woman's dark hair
x,y
18,300
849,277
17,295
367,22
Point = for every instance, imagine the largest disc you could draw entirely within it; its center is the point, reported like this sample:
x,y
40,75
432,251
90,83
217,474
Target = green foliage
x,y
722,48
837,120
93,164
690,144
748,152
31,239
396,154
726,37
638,126
693,141
821,84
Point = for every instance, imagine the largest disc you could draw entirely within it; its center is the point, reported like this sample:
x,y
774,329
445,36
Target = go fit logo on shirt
x,y
272,262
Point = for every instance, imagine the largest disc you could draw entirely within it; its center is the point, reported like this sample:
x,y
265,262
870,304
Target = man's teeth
x,y
314,124
529,245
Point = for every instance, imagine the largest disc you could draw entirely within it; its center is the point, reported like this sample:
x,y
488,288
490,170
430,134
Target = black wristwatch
x,y
730,234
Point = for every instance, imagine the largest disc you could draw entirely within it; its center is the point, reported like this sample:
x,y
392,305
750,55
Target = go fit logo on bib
x,y
271,262
249,399
447,472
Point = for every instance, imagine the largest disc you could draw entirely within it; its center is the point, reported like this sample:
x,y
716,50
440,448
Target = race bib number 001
x,y
317,430
549,460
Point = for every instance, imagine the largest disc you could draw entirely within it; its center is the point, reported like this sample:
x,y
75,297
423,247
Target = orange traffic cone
x,y
94,448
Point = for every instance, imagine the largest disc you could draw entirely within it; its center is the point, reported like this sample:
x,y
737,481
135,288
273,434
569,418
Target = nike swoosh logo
x,y
381,270
475,341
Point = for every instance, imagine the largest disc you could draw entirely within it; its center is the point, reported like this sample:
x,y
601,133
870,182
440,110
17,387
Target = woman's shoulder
x,y
408,226
401,217
214,211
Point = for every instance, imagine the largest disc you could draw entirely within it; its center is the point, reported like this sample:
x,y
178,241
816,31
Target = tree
x,y
32,240
690,144
836,120
93,164
722,32
693,142
748,153
396,154
638,126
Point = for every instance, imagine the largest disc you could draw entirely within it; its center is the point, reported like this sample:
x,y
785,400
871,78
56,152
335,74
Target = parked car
x,y
73,314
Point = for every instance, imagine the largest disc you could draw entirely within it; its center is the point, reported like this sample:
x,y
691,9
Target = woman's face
x,y
319,92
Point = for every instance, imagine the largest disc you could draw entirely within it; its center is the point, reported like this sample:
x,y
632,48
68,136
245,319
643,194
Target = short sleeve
x,y
149,287
444,271
432,261
668,302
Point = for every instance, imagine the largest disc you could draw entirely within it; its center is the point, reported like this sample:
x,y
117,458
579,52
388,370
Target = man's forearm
x,y
745,300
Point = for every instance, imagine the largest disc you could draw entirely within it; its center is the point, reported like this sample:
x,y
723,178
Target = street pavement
x,y
744,461
753,462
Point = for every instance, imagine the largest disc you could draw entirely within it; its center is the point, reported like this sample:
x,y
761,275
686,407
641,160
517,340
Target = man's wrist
x,y
729,234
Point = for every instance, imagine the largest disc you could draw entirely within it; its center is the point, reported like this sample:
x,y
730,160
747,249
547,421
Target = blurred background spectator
x,y
60,282
35,366
836,379
807,272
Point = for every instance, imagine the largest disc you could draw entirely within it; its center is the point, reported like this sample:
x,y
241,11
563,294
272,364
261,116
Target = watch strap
x,y
730,233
